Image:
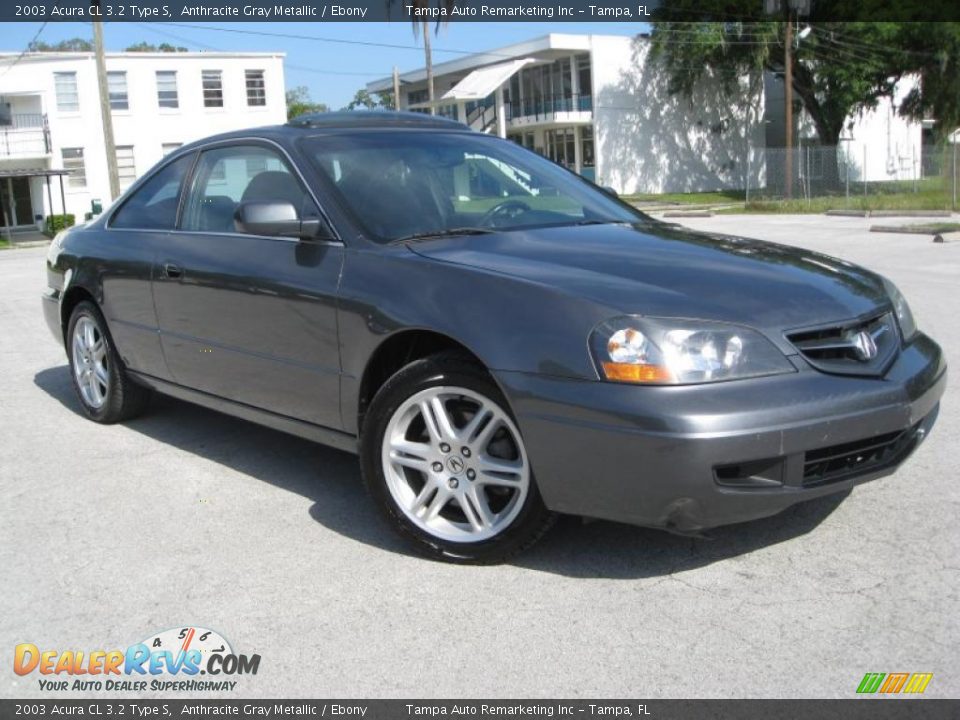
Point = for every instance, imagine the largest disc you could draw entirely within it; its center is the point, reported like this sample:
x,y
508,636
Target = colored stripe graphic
x,y
894,682
918,682
870,682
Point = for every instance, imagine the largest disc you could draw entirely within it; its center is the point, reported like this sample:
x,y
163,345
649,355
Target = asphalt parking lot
x,y
188,517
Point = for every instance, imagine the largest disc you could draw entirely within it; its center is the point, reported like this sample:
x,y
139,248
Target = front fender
x,y
509,323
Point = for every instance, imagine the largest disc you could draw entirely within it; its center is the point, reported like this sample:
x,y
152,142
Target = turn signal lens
x,y
624,372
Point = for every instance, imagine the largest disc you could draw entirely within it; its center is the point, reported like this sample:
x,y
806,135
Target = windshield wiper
x,y
448,232
594,222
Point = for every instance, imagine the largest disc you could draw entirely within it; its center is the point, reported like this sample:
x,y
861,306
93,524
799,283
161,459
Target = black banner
x,y
859,709
463,10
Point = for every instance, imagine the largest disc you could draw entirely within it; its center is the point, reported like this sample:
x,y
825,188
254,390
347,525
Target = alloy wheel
x,y
455,464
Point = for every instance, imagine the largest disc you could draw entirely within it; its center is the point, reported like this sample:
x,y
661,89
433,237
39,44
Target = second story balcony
x,y
547,109
24,135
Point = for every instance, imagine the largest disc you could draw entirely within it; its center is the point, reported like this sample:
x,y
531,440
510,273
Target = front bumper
x,y
693,457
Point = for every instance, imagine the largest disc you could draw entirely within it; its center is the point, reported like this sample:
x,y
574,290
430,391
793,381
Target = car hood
x,y
657,269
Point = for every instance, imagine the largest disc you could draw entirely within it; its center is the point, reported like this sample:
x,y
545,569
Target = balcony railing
x,y
26,135
546,106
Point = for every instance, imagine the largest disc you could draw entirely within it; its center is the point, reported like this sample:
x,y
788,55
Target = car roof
x,y
337,121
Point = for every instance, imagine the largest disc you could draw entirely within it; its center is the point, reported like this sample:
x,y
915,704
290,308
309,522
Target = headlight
x,y
908,326
680,352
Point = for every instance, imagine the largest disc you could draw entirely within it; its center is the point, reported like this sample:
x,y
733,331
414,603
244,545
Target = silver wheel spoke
x,y
444,421
426,409
497,466
471,428
437,504
419,451
476,509
101,373
483,439
420,501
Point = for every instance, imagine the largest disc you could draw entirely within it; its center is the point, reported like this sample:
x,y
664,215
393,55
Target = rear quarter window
x,y
153,206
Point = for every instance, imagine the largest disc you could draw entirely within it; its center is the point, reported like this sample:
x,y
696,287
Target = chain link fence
x,y
841,176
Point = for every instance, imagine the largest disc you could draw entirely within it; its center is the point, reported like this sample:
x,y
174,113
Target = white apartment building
x,y
50,121
600,105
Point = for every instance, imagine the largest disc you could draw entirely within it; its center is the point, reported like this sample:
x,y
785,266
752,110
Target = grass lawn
x,y
4,243
703,198
932,194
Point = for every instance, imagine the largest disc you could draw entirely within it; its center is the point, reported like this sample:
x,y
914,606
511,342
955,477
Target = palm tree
x,y
424,27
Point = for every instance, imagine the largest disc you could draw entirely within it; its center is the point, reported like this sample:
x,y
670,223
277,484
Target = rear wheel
x,y
106,394
446,462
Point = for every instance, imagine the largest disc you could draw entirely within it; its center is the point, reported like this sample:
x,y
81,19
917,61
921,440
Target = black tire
x,y
532,520
123,398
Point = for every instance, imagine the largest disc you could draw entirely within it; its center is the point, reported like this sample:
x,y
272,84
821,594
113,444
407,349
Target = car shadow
x,y
330,479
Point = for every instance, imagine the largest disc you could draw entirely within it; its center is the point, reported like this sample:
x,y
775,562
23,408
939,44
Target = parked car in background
x,y
498,339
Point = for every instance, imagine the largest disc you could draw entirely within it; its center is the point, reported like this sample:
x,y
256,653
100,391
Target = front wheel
x,y
446,462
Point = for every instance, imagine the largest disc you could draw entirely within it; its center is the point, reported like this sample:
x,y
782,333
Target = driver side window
x,y
228,176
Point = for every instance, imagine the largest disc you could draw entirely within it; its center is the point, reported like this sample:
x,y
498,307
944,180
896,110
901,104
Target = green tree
x,y
162,47
71,45
839,68
299,103
364,99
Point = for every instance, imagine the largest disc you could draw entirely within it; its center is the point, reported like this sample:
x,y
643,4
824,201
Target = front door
x,y
22,202
244,317
16,202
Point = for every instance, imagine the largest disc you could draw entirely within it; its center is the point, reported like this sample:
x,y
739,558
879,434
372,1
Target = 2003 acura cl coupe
x,y
499,339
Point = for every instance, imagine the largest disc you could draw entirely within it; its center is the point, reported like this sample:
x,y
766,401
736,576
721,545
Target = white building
x,y
50,119
599,105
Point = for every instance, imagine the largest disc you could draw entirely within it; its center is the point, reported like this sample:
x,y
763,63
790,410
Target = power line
x,y
341,41
301,68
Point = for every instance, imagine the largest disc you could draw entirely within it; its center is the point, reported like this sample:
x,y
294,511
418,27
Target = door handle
x,y
172,271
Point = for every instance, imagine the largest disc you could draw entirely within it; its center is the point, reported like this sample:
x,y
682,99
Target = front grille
x,y
842,462
860,347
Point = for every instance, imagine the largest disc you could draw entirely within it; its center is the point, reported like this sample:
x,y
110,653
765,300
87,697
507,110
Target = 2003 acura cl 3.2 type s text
x,y
499,339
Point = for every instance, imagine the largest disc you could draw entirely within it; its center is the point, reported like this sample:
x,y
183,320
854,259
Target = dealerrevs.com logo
x,y
170,661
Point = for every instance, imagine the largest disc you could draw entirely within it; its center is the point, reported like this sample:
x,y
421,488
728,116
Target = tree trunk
x,y
428,57
828,126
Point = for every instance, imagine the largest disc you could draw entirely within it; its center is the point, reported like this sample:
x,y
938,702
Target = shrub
x,y
56,223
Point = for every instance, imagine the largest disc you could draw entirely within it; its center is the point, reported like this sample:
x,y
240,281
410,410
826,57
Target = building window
x,y
126,167
117,90
170,147
167,89
212,89
73,163
256,89
68,99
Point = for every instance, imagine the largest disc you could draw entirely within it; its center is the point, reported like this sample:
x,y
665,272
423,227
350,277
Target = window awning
x,y
32,172
480,83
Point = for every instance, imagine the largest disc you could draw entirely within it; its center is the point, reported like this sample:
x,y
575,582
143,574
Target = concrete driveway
x,y
186,517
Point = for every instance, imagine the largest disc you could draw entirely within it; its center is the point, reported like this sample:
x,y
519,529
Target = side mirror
x,y
609,191
277,219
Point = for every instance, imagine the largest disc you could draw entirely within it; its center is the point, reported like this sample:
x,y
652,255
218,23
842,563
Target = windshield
x,y
399,185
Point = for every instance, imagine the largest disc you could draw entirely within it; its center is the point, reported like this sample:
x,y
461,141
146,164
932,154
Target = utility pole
x,y
788,109
105,115
396,88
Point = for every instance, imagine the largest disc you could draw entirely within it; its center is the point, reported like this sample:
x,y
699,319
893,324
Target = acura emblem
x,y
864,346
455,464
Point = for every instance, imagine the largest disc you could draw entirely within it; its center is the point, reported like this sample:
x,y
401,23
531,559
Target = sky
x,y
333,72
